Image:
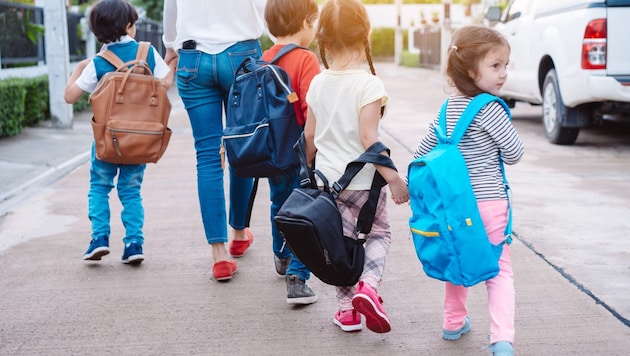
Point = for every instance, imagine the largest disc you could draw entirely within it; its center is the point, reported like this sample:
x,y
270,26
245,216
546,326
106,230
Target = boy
x,y
113,23
292,22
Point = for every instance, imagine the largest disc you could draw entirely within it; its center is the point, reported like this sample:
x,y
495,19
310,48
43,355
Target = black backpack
x,y
310,222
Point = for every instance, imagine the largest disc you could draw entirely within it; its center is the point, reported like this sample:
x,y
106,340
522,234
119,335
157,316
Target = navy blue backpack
x,y
260,124
448,234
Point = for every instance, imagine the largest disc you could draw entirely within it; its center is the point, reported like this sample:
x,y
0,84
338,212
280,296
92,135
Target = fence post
x,y
57,60
398,35
446,33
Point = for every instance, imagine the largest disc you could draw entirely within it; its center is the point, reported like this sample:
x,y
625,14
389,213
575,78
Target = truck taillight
x,y
594,45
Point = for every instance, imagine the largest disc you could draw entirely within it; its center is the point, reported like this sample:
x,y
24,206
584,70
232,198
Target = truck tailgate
x,y
618,46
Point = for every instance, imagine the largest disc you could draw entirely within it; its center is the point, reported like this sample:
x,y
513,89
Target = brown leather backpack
x,y
131,111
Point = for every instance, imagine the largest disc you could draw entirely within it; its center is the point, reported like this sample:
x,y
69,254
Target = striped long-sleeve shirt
x,y
491,133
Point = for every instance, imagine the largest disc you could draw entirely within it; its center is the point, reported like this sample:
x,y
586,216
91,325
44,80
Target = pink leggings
x,y
501,299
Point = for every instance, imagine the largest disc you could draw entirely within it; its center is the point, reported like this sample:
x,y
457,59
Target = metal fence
x,y
22,40
149,30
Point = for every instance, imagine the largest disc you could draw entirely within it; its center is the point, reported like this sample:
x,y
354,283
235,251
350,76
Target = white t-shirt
x,y
88,79
336,99
214,24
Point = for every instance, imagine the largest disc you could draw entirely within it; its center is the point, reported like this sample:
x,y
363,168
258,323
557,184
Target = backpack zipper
x,y
247,134
141,132
117,143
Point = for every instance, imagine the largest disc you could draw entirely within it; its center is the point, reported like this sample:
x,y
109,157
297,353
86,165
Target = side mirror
x,y
493,14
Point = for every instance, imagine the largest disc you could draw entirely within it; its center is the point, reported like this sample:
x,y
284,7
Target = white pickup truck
x,y
570,56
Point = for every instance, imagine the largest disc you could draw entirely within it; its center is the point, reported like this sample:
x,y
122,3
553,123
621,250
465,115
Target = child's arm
x,y
309,138
73,93
368,131
168,79
165,67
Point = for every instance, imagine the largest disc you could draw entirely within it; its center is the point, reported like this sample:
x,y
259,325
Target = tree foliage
x,y
153,8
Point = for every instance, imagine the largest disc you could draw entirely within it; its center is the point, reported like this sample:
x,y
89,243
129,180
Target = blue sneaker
x,y
99,247
502,348
133,254
454,335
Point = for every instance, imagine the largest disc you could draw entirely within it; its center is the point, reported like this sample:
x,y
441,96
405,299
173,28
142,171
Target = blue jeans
x,y
129,182
280,187
204,81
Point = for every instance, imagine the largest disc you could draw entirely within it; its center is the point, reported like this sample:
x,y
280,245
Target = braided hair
x,y
344,25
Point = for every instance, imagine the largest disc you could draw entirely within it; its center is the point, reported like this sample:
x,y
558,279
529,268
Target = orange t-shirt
x,y
301,65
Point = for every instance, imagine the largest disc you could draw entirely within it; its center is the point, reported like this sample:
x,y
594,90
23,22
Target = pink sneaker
x,y
348,320
368,303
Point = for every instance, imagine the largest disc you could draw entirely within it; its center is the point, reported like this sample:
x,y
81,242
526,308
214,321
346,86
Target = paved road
x,y
53,303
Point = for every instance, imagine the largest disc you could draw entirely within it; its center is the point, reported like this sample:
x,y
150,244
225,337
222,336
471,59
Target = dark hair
x,y
109,19
285,17
344,25
468,46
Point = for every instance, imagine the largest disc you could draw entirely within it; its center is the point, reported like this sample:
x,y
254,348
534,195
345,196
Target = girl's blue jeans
x,y
129,182
280,187
204,81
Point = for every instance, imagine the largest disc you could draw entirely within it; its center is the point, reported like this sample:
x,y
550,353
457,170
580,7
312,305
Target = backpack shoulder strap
x,y
368,210
469,114
143,50
112,58
142,55
284,50
371,155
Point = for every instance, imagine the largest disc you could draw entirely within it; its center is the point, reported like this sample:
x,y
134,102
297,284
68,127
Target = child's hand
x,y
400,193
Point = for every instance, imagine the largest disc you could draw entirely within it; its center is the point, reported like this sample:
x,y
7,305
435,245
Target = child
x,y
292,22
113,23
344,108
477,61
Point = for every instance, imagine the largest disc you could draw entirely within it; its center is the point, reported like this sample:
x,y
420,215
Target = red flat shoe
x,y
239,247
223,270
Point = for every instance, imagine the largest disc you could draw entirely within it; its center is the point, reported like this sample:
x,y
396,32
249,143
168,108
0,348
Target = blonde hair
x,y
468,46
344,25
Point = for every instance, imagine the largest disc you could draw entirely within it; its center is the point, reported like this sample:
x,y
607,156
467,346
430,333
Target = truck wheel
x,y
555,113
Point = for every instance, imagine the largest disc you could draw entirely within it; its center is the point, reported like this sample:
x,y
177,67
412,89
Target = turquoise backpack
x,y
448,233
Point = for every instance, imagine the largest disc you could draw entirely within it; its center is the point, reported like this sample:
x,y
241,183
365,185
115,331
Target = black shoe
x,y
298,292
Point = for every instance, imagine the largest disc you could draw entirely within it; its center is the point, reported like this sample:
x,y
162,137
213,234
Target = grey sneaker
x,y
282,264
298,292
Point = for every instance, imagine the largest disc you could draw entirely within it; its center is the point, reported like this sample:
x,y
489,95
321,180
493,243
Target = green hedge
x,y
13,94
36,103
26,102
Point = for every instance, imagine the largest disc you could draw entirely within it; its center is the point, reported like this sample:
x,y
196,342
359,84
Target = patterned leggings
x,y
377,242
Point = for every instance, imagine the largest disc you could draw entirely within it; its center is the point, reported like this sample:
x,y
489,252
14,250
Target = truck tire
x,y
555,113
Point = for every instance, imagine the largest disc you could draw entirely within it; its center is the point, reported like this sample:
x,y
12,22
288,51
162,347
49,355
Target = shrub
x,y
13,93
36,101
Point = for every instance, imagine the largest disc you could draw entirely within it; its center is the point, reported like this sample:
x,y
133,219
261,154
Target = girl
x,y
344,108
476,63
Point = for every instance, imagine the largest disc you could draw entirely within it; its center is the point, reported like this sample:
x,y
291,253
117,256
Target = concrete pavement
x,y
53,303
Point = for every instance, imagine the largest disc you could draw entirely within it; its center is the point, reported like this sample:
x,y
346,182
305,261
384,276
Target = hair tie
x,y
454,48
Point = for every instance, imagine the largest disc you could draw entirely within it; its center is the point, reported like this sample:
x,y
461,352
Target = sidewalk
x,y
53,303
